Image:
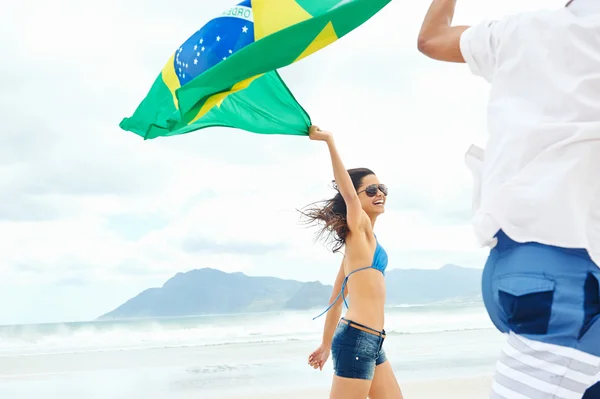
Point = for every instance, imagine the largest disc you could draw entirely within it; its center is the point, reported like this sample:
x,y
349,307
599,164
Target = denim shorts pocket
x,y
526,301
344,346
369,346
590,329
345,361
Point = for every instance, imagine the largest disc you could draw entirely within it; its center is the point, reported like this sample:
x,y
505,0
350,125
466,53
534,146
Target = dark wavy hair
x,y
331,214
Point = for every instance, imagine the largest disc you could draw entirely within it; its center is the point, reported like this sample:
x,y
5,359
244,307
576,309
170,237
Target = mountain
x,y
210,291
420,286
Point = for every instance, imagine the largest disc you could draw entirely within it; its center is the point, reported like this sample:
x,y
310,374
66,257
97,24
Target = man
x,y
537,198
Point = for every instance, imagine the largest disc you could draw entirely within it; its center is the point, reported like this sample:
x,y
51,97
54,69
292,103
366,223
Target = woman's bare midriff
x,y
366,290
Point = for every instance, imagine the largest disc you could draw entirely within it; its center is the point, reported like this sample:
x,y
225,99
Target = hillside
x,y
210,291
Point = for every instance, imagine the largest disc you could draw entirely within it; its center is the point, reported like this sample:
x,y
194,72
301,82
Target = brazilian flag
x,y
225,74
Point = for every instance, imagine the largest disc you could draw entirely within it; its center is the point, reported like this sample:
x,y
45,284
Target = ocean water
x,y
224,356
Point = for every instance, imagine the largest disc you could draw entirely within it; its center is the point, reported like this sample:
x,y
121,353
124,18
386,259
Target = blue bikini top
x,y
380,262
380,259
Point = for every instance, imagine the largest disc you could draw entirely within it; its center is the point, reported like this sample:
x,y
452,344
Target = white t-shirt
x,y
539,176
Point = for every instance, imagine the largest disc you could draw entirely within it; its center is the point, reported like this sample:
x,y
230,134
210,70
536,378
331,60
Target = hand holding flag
x,y
225,73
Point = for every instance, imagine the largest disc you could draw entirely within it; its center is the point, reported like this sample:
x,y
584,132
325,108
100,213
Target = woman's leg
x,y
385,385
349,388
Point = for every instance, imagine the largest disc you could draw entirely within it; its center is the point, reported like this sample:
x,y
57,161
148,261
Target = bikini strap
x,y
342,291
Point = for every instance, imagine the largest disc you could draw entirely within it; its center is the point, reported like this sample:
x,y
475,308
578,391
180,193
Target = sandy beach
x,y
460,388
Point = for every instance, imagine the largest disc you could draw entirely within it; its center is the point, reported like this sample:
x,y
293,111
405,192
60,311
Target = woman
x,y
360,364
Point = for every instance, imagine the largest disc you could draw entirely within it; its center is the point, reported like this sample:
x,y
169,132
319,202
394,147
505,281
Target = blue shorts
x,y
544,293
356,352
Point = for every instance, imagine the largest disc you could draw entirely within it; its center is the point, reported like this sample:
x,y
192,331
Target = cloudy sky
x,y
91,215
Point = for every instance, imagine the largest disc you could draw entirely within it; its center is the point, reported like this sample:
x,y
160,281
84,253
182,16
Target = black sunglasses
x,y
371,190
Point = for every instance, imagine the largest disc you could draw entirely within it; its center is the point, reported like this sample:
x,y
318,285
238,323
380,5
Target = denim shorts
x,y
355,352
544,293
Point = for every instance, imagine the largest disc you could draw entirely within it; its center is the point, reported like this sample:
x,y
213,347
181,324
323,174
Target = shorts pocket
x,y
526,301
345,362
344,347
591,306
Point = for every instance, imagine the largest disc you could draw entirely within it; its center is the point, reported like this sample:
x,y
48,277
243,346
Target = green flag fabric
x,y
225,73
